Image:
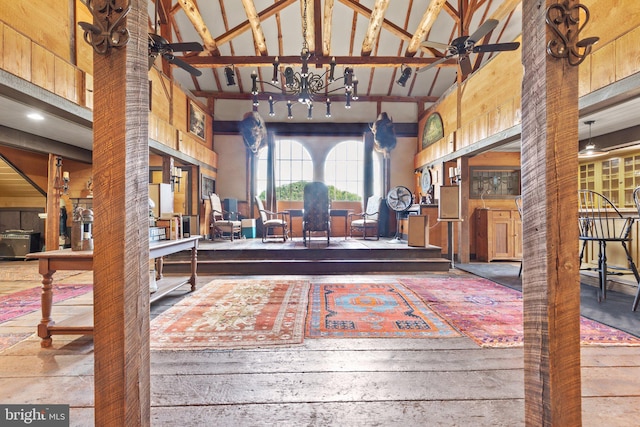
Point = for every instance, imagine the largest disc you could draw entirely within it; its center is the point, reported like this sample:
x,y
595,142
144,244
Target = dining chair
x,y
600,222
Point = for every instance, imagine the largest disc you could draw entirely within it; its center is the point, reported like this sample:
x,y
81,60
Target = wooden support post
x,y
551,287
52,223
464,226
121,236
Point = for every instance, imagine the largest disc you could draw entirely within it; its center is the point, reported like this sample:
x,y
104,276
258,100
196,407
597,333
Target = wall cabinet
x,y
498,234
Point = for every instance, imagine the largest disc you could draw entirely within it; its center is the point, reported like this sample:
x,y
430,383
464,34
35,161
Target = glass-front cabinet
x,y
614,177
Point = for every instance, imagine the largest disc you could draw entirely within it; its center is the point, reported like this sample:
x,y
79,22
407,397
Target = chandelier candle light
x,y
304,85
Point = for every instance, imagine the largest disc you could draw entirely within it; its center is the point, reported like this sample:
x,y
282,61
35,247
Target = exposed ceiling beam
x,y
375,25
245,26
191,10
317,97
307,14
505,8
425,25
386,24
355,61
256,28
326,33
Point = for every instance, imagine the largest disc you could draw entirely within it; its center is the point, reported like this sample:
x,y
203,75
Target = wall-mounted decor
x,y
494,182
208,186
432,131
197,120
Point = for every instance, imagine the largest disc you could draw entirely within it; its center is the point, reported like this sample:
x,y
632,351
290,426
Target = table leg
x,y
194,266
47,303
159,266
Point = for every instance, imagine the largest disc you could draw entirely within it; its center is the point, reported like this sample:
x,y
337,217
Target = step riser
x,y
310,267
310,255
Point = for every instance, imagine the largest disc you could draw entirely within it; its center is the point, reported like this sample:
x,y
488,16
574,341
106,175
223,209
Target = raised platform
x,y
252,256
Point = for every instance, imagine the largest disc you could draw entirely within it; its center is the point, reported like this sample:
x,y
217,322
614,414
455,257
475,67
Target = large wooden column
x,y
121,235
549,188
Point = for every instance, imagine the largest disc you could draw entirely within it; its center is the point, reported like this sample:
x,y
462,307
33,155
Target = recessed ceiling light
x,y
35,116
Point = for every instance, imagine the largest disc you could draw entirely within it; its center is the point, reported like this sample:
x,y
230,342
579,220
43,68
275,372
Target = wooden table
x,y
66,259
298,213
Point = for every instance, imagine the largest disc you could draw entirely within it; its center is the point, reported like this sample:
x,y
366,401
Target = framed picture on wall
x,y
208,186
197,120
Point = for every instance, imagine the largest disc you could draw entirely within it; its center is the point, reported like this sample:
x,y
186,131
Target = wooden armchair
x,y
219,225
367,220
272,221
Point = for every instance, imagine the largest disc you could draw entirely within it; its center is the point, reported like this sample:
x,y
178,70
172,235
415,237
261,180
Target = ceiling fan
x,y
464,45
159,46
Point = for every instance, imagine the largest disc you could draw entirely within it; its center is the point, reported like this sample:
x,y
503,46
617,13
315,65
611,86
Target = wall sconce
x,y
406,73
230,76
454,175
61,179
564,21
176,175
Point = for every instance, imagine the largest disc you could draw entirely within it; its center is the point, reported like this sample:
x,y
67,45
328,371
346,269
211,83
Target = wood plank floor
x,y
323,382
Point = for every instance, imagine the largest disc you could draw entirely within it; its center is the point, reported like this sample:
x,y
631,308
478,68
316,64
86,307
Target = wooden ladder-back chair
x,y
600,222
316,215
219,225
272,221
367,220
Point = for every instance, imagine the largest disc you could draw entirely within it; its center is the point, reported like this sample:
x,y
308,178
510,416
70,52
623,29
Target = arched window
x,y
344,170
293,167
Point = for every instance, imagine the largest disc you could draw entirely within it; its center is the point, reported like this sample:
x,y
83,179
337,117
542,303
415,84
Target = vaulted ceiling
x,y
374,37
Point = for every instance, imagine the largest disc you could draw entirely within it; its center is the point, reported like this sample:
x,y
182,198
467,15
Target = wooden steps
x,y
342,257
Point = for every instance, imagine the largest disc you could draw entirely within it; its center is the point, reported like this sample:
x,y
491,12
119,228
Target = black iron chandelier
x,y
305,87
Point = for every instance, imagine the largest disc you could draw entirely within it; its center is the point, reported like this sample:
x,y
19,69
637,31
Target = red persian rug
x,y
371,310
29,300
491,314
234,314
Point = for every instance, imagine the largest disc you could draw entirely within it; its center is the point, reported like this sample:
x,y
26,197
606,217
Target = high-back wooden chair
x,y
316,215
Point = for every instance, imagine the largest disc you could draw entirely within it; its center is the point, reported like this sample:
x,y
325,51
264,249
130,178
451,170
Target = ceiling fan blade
x,y
482,30
499,47
465,65
435,45
187,46
433,64
180,63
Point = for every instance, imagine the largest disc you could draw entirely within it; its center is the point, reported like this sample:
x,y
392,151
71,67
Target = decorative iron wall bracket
x,y
564,21
109,29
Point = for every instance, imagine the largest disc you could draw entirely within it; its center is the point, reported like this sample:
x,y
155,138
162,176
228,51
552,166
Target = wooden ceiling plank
x,y
375,25
425,25
326,33
254,21
192,12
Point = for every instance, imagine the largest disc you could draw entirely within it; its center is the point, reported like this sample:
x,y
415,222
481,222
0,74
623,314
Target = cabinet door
x,y
517,236
501,237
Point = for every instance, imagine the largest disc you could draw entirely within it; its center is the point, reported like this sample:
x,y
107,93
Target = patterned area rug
x,y
370,310
28,271
9,340
27,301
491,314
234,314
